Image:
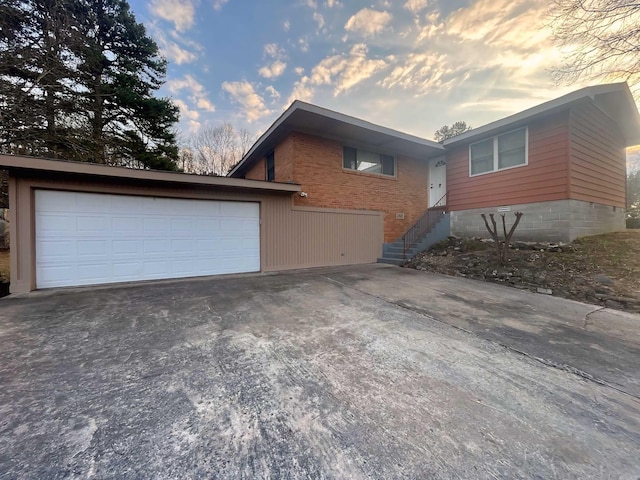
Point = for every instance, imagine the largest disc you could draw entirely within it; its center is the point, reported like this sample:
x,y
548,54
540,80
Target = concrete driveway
x,y
360,372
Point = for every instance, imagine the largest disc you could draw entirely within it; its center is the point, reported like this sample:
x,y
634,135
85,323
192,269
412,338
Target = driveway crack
x,y
586,317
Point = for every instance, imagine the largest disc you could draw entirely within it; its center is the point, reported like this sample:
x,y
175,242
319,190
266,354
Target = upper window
x,y
271,167
498,153
369,162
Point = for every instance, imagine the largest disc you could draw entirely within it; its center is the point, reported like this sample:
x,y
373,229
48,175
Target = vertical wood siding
x,y
545,177
300,237
598,158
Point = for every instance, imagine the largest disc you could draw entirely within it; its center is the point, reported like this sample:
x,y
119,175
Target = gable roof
x,y
307,118
614,99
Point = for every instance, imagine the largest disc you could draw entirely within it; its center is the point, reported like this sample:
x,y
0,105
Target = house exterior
x,y
566,172
320,188
84,224
562,163
344,162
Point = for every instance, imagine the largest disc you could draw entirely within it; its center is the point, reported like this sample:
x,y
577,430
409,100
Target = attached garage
x,y
76,224
94,238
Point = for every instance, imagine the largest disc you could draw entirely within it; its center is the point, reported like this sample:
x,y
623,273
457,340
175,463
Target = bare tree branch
x,y
600,39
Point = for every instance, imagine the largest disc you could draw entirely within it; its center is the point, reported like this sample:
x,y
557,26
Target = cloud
x,y
286,25
274,70
244,94
273,93
414,6
319,19
196,91
194,126
312,4
185,111
180,12
368,22
205,104
302,90
299,70
272,50
332,3
341,72
278,66
172,50
303,43
502,23
218,4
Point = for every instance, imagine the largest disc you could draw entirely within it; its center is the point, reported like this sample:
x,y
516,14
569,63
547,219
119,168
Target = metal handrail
x,y
423,225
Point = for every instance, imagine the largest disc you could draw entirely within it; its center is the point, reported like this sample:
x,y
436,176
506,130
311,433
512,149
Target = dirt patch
x,y
602,269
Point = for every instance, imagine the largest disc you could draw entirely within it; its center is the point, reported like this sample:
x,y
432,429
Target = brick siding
x,y
317,166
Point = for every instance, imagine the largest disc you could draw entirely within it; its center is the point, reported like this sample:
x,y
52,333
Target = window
x,y
271,167
368,162
498,153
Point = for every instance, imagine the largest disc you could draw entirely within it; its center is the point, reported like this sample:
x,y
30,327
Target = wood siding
x,y
309,237
544,178
598,158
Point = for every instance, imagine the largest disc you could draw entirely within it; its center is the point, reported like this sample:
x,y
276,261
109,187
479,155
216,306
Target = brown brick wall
x,y
258,171
283,160
318,168
283,164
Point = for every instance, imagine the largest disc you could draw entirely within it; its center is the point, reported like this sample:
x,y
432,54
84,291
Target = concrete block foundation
x,y
555,221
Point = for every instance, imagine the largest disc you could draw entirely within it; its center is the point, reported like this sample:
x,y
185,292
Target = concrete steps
x,y
393,252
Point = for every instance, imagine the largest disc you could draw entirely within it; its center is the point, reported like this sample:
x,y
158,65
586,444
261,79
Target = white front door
x,y
437,180
93,238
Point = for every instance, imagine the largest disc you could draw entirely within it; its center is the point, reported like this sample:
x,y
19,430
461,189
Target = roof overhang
x,y
311,119
23,166
614,99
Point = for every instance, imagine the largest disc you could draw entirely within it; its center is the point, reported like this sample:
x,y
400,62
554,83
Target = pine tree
x,y
120,69
77,81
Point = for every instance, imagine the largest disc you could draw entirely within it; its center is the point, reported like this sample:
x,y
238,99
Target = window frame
x,y
271,155
381,154
496,152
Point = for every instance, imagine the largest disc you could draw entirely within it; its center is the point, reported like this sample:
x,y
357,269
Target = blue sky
x,y
412,65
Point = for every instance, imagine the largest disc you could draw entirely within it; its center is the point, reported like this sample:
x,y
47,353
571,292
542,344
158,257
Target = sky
x,y
411,65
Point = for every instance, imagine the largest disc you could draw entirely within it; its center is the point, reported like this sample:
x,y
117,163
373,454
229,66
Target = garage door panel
x,y
127,270
156,247
125,204
125,247
58,248
84,239
86,224
158,226
94,273
93,248
57,275
182,245
92,203
235,210
125,224
154,269
56,223
62,202
182,225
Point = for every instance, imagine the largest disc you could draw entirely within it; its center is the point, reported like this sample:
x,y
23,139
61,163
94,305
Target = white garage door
x,y
87,238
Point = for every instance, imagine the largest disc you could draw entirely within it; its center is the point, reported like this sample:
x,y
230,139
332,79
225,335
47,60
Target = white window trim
x,y
495,152
362,172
